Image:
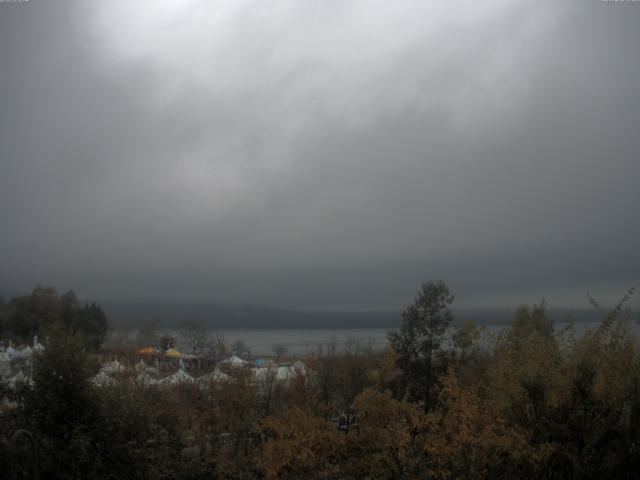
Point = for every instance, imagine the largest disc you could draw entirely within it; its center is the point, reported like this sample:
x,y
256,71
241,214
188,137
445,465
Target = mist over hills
x,y
216,316
170,314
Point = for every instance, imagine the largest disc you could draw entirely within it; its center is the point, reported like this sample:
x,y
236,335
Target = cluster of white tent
x,y
146,375
13,354
103,379
234,361
282,373
105,376
12,358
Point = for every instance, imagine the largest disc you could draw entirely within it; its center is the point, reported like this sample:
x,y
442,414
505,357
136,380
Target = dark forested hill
x,y
131,315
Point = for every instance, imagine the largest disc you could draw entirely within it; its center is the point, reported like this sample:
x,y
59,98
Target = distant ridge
x,y
168,315
215,316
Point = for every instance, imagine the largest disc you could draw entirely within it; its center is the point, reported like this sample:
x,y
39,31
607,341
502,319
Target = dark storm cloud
x,y
327,155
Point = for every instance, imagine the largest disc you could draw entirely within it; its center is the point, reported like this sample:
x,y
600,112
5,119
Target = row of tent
x,y
148,376
11,354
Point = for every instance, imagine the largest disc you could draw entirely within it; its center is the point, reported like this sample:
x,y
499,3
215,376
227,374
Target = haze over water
x,y
300,342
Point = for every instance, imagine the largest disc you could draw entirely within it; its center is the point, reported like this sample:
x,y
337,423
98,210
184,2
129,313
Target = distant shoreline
x,y
125,316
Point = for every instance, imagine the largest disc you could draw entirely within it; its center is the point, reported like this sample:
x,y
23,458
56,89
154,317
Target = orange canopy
x,y
147,351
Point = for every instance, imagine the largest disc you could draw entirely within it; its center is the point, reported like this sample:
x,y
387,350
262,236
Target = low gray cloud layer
x,y
320,154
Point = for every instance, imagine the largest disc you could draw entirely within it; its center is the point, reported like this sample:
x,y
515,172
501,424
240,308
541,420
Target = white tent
x,y
176,378
145,379
284,373
102,379
299,368
234,361
112,367
12,352
142,367
264,374
213,377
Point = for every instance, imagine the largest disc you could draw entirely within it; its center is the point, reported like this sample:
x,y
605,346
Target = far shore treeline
x,y
171,315
443,401
26,316
133,315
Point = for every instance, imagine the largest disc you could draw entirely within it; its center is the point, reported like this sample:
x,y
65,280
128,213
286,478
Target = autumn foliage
x,y
297,443
530,401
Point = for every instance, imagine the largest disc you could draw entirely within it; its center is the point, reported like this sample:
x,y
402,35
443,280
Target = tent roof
x,y
141,366
102,379
234,360
283,372
172,353
112,367
179,377
144,378
214,376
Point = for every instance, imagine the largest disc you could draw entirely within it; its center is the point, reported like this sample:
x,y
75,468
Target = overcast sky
x,y
320,154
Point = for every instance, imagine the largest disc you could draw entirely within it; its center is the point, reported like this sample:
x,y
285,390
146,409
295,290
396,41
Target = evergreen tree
x,y
419,341
61,407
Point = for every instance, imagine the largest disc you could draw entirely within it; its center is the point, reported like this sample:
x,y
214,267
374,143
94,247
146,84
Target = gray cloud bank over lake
x,y
320,154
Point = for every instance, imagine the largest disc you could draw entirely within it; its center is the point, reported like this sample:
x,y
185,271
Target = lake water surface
x,y
304,341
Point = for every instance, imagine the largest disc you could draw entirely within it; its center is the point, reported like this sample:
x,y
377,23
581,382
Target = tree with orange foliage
x,y
465,437
297,443
389,440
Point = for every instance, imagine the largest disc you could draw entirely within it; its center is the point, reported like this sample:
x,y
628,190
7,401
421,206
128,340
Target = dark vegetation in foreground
x,y
529,402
